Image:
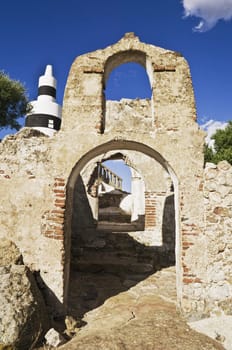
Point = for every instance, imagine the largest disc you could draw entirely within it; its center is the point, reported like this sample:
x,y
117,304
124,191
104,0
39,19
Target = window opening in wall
x,y
51,123
129,80
128,99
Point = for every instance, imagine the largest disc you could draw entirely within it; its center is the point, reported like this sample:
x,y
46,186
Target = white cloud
x,y
211,127
209,12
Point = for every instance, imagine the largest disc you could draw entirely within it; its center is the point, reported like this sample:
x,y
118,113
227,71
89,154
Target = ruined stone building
x,y
179,213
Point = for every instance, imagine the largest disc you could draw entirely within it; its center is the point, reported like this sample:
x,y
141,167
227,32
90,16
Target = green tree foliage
x,y
13,102
222,146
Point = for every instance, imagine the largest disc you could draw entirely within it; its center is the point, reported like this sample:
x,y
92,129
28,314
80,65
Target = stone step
x,y
111,210
113,214
114,250
120,266
112,245
111,199
116,226
104,240
119,218
107,255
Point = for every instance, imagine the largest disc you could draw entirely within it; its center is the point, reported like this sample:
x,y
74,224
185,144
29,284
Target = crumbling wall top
x,y
167,70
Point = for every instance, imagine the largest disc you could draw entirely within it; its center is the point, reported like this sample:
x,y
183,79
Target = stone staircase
x,y
112,252
105,263
111,217
107,260
113,214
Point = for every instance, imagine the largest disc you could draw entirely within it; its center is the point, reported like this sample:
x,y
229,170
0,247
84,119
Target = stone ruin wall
x,y
127,113
211,292
32,208
38,174
28,171
218,230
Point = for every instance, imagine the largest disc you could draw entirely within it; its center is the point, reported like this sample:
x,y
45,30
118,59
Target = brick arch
x,y
118,145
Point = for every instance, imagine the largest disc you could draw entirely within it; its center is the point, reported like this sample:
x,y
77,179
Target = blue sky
x,y
39,32
35,33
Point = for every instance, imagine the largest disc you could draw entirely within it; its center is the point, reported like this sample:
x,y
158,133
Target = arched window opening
x,y
129,80
127,92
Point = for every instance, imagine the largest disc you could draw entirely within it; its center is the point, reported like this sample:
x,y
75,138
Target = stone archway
x,y
78,208
120,187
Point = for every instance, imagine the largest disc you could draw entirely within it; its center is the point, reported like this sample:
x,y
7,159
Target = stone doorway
x,y
108,259
120,193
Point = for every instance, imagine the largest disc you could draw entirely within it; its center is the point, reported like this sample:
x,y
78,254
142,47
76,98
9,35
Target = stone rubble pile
x,y
22,310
